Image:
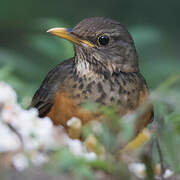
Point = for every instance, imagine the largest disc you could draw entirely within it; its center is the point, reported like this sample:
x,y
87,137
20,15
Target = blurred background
x,y
27,52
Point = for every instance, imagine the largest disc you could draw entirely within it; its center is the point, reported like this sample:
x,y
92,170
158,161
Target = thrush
x,y
104,70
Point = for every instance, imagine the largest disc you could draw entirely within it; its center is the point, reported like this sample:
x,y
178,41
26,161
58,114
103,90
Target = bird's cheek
x,y
98,56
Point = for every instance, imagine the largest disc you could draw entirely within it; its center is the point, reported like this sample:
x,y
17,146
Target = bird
x,y
104,70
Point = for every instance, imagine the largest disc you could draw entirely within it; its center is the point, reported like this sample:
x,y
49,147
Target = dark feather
x,y
44,96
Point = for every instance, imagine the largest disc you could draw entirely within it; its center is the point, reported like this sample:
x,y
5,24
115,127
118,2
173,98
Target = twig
x,y
160,158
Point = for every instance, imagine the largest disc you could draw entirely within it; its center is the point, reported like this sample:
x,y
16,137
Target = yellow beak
x,y
63,33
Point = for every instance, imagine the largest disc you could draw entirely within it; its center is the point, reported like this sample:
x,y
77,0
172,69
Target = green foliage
x,y
65,162
167,115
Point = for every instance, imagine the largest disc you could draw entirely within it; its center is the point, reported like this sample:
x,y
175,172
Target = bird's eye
x,y
103,40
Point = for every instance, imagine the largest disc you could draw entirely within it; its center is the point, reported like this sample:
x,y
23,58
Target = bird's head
x,y
104,45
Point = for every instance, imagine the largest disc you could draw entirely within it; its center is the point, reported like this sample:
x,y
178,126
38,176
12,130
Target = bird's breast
x,y
121,90
126,91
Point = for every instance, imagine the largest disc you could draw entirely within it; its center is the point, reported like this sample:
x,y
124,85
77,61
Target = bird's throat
x,y
89,64
83,68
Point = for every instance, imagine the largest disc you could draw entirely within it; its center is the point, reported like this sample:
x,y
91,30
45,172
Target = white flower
x,y
32,133
79,149
9,140
20,162
74,128
75,146
35,132
90,156
8,96
168,173
74,121
39,158
138,169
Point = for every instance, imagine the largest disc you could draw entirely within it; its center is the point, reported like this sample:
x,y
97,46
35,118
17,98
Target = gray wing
x,y
44,96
